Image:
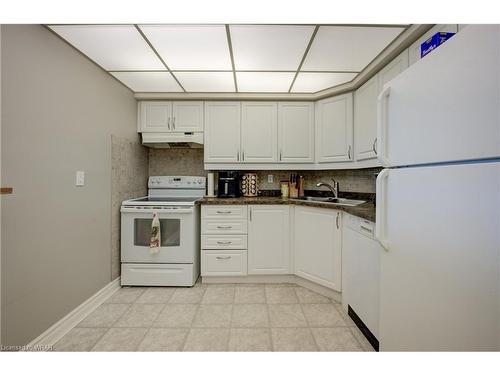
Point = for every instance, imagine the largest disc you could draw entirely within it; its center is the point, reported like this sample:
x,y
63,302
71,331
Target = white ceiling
x,y
230,58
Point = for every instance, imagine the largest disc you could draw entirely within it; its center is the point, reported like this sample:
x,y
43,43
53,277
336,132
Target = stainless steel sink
x,y
337,201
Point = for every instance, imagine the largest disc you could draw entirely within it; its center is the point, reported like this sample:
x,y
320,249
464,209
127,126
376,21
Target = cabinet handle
x,y
223,258
173,123
238,155
224,242
250,213
223,212
349,153
169,123
224,226
374,146
280,154
337,220
366,229
242,155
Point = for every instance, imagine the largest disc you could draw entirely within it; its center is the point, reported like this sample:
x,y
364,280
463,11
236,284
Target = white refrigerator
x,y
438,199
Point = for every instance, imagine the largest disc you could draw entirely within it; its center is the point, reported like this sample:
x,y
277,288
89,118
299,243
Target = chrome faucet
x,y
334,189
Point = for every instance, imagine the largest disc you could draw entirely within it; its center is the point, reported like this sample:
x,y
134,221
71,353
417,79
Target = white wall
x,y
59,111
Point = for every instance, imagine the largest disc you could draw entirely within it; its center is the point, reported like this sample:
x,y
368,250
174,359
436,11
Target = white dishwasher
x,y
360,275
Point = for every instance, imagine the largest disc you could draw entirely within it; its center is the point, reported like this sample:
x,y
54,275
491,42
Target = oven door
x,y
177,225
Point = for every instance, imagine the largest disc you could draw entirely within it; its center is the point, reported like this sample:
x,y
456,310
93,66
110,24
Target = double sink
x,y
333,201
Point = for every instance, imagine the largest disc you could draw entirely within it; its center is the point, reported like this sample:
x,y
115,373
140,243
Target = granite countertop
x,y
364,211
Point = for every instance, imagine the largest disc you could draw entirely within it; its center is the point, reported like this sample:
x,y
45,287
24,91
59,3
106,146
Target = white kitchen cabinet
x,y
317,243
361,271
155,116
187,116
296,132
414,49
222,132
394,68
269,239
334,129
259,132
365,119
167,116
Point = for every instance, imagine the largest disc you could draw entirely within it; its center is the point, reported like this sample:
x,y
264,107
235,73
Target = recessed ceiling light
x,y
206,81
264,81
313,82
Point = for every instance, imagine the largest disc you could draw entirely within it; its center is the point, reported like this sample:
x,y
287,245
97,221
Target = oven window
x,y
170,232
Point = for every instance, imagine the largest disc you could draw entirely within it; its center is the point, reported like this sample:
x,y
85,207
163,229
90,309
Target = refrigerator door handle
x,y
380,218
382,103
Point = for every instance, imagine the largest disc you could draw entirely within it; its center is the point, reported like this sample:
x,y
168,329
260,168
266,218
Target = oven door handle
x,y
160,211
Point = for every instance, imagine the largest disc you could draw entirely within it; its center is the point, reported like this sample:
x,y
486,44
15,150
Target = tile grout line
x,y
307,322
270,331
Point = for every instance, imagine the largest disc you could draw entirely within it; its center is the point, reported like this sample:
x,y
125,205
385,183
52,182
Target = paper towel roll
x,y
210,185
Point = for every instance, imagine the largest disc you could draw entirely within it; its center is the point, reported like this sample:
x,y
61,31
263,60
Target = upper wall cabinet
x,y
222,132
259,132
414,50
365,107
365,119
164,116
296,132
334,129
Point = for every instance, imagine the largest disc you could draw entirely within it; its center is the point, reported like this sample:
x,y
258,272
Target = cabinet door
x,y
259,132
268,240
317,241
187,116
222,132
155,116
334,129
296,132
365,119
414,49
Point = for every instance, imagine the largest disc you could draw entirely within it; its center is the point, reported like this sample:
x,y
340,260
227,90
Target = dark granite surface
x,y
364,211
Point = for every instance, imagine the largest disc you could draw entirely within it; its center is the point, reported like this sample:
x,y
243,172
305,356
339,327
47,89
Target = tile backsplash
x,y
186,162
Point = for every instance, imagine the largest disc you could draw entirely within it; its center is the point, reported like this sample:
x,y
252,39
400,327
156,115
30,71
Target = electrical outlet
x,y
80,178
270,178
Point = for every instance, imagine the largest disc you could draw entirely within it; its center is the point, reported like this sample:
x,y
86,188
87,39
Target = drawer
x,y
214,241
224,211
223,226
224,263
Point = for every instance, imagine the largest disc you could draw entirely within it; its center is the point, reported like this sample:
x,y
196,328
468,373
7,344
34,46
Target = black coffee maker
x,y
228,184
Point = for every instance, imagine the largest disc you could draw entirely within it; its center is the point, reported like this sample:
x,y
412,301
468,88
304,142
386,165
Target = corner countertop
x,y
364,211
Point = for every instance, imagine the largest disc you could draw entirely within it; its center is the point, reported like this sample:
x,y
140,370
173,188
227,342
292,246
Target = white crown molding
x,y
54,333
403,41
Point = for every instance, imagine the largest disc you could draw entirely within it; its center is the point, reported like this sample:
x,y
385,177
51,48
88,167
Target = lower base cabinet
x,y
269,240
317,240
224,263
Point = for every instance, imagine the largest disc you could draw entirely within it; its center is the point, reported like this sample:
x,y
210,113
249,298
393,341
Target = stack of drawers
x,y
224,240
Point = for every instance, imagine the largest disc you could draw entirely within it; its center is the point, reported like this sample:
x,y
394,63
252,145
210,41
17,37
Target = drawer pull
x,y
224,258
366,229
223,212
224,242
224,226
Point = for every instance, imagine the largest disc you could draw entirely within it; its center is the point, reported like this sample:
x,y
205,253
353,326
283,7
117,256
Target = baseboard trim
x,y
53,334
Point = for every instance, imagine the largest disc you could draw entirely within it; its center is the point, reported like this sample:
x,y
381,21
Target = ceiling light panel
x,y
189,47
264,81
313,82
206,81
149,81
347,47
269,47
114,47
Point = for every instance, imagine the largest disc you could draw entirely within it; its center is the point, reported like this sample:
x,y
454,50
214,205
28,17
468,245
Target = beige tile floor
x,y
225,317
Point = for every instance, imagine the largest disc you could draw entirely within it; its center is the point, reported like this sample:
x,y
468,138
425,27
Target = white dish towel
x,y
154,244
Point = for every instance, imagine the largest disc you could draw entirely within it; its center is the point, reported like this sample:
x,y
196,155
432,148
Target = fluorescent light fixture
x,y
264,81
313,82
348,48
114,47
206,81
148,81
269,47
190,47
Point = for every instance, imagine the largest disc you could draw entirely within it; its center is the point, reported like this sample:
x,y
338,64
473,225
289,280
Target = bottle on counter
x,y
284,188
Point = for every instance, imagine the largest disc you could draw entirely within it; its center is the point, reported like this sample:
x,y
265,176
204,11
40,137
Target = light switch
x,y
80,178
270,178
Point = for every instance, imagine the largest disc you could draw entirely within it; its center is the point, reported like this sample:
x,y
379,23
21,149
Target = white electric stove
x,y
178,261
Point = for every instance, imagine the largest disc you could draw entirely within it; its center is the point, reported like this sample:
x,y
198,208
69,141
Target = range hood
x,y
173,140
